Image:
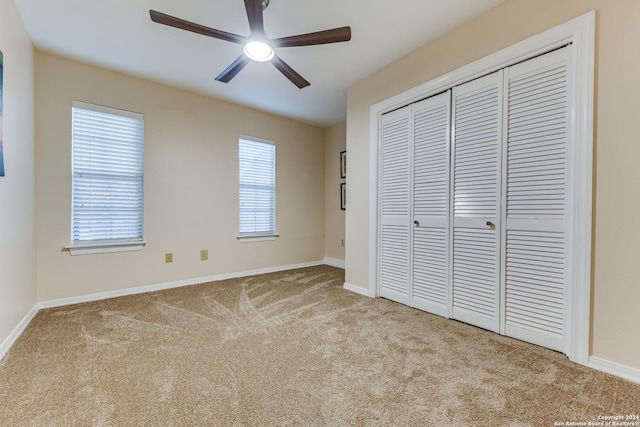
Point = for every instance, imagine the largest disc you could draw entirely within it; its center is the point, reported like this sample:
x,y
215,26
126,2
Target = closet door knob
x,y
417,223
491,224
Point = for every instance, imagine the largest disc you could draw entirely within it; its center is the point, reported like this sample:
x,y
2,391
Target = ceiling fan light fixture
x,y
257,46
258,51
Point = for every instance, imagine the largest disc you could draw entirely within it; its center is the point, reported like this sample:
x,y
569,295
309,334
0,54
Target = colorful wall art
x,y
1,152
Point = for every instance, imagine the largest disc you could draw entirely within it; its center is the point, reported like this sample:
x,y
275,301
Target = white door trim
x,y
580,32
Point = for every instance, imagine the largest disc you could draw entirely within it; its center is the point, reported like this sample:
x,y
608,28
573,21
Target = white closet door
x,y
431,128
395,201
536,192
476,166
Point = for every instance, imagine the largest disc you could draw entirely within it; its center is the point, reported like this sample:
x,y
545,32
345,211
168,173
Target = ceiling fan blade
x,y
289,72
342,34
172,21
254,14
233,69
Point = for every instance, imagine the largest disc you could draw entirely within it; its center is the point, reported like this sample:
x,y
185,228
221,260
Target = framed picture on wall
x,y
343,196
343,164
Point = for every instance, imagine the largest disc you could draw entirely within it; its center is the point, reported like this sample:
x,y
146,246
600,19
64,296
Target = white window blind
x,y
257,166
107,171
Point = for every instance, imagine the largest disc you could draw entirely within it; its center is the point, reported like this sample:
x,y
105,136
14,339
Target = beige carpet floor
x,y
287,349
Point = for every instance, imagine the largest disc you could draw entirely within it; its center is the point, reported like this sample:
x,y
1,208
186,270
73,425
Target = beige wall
x,y
616,270
191,184
336,141
17,202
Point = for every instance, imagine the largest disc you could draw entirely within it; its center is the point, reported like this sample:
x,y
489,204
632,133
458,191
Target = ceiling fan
x,y
258,47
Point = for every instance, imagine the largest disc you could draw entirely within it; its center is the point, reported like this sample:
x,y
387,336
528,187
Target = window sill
x,y
258,238
104,247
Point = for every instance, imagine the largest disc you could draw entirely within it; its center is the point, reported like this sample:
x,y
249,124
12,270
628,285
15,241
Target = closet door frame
x,y
580,32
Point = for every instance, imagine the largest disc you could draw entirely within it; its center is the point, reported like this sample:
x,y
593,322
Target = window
x,y
257,166
107,169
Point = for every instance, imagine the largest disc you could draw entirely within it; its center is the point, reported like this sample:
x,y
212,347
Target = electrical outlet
x,y
204,254
342,242
168,257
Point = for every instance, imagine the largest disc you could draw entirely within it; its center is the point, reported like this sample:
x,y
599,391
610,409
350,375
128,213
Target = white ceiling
x,y
119,35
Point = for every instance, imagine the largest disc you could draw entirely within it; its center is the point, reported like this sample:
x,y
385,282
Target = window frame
x,y
258,236
82,247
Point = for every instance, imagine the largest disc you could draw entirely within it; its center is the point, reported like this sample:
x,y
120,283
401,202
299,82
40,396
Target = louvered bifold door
x,y
536,184
431,129
476,171
395,202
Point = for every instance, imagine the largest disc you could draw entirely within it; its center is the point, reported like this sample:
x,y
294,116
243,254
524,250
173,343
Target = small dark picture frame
x,y
343,164
343,196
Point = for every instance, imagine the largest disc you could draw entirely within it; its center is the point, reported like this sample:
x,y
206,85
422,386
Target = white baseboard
x,y
334,262
15,334
168,285
357,289
622,371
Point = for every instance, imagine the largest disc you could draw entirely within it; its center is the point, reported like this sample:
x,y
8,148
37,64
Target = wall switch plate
x,y
204,254
168,257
